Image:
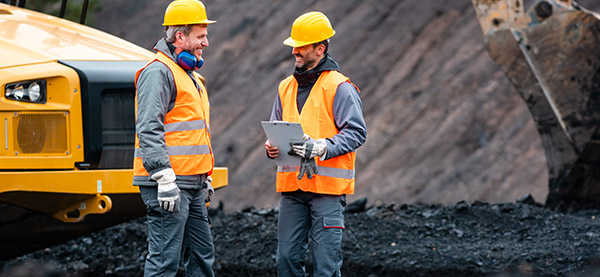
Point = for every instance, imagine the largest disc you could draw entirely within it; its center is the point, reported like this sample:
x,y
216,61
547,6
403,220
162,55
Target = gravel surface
x,y
466,239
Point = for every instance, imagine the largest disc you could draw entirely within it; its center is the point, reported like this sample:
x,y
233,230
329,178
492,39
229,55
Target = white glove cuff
x,y
321,148
164,176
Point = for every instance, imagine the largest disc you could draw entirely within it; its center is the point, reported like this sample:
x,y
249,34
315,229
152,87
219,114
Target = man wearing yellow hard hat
x,y
328,107
173,154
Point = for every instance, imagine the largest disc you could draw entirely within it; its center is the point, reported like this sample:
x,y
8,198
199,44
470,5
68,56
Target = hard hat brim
x,y
292,43
193,23
296,43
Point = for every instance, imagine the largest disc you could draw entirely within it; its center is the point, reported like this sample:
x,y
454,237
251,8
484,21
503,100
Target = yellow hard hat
x,y
185,12
309,28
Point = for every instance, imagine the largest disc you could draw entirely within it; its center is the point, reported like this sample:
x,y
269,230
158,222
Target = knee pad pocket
x,y
333,223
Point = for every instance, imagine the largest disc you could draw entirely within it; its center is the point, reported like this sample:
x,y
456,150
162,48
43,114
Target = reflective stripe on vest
x,y
336,175
323,171
186,126
187,134
181,150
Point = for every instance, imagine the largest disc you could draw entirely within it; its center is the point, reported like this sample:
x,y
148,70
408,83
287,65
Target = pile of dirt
x,y
466,239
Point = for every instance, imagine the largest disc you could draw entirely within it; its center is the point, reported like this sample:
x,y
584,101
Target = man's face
x,y
306,57
196,40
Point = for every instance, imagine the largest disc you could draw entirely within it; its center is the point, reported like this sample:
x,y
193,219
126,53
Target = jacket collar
x,y
308,78
166,48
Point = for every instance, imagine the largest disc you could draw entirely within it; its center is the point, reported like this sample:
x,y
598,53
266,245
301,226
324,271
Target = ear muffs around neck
x,y
188,61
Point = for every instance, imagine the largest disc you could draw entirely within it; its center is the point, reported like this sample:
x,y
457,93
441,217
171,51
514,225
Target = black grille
x,y
107,103
118,128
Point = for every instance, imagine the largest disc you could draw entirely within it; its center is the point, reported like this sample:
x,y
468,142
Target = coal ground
x,y
520,238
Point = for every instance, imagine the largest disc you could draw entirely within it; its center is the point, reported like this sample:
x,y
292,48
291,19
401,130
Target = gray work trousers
x,y
169,233
304,215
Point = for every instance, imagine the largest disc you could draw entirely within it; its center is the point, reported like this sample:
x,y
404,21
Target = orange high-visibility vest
x,y
186,126
336,175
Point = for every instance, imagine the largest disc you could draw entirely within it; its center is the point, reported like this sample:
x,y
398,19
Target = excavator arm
x,y
551,55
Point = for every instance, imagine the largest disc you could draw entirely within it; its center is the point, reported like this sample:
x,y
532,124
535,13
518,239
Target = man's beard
x,y
301,69
307,64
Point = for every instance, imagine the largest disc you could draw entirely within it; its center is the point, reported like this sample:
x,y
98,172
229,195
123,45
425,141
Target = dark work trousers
x,y
169,232
304,216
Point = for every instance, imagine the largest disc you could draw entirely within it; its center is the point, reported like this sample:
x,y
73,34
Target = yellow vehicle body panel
x,y
28,37
83,181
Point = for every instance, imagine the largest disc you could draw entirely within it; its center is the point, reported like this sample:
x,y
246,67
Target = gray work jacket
x,y
156,94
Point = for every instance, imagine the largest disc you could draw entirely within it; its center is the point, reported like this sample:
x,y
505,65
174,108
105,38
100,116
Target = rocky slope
x,y
444,123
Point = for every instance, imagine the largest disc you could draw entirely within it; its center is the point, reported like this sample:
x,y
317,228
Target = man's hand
x,y
168,193
210,192
272,151
309,148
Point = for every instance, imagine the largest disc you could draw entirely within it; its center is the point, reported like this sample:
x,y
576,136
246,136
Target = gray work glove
x,y
309,147
208,190
308,164
168,193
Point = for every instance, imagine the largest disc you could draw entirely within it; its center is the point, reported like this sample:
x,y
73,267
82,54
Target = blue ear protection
x,y
188,61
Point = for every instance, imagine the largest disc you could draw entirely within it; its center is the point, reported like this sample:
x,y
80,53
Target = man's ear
x,y
320,50
179,37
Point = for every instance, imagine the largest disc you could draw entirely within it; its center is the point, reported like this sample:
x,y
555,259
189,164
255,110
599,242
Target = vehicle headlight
x,y
35,93
27,91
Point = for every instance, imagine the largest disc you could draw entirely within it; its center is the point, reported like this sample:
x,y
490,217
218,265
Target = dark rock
x,y
528,199
357,206
462,206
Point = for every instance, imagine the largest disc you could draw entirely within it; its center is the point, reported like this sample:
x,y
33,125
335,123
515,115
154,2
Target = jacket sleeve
x,y
276,113
349,120
154,95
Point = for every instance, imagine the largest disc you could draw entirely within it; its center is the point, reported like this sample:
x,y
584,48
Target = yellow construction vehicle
x,y
68,124
551,54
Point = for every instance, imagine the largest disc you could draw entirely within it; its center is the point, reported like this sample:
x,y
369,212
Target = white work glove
x,y
310,148
168,192
210,192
